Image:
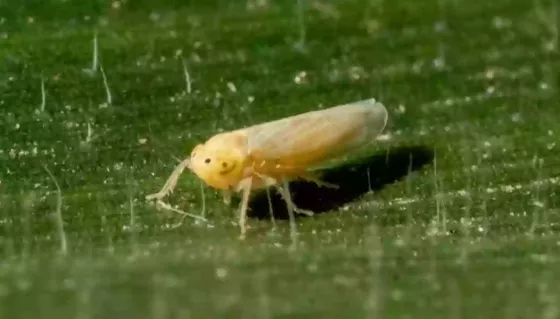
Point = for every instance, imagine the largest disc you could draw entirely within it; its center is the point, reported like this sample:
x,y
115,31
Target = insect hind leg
x,y
317,180
285,193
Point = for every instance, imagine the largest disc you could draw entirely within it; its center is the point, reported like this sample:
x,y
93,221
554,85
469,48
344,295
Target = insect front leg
x,y
227,197
245,186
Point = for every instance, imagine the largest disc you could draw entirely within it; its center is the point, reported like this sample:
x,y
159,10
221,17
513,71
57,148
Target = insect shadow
x,y
354,180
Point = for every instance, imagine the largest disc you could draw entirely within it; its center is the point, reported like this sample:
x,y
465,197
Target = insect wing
x,y
313,137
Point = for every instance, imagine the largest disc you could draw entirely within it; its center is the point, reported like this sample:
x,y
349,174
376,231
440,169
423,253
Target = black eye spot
x,y
207,161
224,165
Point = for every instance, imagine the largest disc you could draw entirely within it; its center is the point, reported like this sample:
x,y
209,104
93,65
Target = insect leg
x,y
270,212
285,193
171,181
246,187
227,197
291,209
313,178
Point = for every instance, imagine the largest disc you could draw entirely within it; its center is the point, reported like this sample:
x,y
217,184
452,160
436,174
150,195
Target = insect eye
x,y
207,161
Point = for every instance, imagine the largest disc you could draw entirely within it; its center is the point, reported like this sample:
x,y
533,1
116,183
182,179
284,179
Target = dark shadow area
x,y
355,179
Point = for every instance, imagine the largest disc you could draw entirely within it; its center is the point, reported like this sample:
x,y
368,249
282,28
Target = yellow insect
x,y
274,153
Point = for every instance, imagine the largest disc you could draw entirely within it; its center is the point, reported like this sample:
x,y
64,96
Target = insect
x,y
274,153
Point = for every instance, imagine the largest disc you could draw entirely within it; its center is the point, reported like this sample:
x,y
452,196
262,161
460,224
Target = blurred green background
x,y
462,219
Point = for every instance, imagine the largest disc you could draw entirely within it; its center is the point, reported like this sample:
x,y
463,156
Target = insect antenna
x,y
171,181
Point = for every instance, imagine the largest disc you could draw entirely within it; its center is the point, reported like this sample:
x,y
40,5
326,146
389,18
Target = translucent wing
x,y
311,138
